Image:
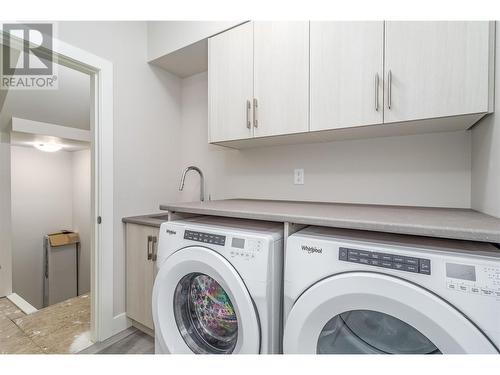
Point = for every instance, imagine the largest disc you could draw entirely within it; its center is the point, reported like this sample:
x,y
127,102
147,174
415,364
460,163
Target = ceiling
x,y
28,140
68,105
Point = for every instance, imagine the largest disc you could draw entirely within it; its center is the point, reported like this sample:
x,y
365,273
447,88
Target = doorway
x,y
103,324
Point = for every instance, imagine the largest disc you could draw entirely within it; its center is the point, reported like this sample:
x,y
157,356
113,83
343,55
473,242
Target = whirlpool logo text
x,y
312,249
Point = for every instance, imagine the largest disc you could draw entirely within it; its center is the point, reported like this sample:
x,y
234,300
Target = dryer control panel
x,y
386,260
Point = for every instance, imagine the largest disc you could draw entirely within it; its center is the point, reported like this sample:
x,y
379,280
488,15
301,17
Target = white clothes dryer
x,y
351,291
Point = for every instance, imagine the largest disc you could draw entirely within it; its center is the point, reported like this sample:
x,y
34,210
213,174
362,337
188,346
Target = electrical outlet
x,y
298,177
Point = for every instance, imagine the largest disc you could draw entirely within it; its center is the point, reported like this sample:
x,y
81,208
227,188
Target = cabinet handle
x,y
249,107
255,121
149,250
154,246
389,89
376,91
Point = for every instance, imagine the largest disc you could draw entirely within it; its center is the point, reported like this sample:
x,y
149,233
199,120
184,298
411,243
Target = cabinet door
x,y
281,77
140,273
347,62
436,69
230,84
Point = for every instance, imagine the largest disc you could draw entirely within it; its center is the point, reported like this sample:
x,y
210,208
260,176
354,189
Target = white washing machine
x,y
366,292
218,287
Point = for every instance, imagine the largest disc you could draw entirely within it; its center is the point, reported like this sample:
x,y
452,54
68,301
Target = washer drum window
x,y
205,315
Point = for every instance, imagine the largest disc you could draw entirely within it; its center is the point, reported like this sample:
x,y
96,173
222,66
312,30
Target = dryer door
x,y
201,305
362,312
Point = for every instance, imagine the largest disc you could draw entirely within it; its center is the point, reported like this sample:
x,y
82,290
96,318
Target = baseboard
x,y
143,328
21,303
120,323
97,347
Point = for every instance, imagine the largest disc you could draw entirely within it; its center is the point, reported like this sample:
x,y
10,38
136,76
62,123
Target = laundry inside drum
x,y
205,315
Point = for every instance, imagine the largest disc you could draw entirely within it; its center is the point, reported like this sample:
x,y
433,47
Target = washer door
x,y
201,305
361,312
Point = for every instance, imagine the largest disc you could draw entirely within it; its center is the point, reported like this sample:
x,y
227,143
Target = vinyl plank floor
x,y
135,343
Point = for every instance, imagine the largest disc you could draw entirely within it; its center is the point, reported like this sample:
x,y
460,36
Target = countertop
x,y
455,223
151,220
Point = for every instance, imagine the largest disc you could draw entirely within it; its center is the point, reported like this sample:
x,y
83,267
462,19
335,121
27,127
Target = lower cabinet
x,y
141,249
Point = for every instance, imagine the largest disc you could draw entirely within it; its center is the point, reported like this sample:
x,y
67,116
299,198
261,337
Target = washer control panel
x,y
238,247
215,239
473,279
248,251
386,260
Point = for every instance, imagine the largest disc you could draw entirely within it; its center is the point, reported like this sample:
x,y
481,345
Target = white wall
x,y
146,121
42,196
165,37
486,154
486,165
81,210
425,170
50,192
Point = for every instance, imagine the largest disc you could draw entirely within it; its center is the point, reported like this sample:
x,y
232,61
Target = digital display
x,y
238,243
461,271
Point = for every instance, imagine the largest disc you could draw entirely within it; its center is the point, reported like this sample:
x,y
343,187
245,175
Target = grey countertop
x,y
151,220
463,224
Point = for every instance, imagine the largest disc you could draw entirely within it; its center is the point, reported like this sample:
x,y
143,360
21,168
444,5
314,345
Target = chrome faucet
x,y
202,180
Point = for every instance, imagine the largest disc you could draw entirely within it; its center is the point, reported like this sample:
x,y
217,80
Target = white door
x,y
365,312
201,305
281,78
347,68
436,69
230,84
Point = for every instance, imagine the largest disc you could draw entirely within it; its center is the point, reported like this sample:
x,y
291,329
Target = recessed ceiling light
x,y
48,147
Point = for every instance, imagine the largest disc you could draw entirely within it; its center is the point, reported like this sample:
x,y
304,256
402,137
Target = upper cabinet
x,y
258,81
281,78
347,80
347,69
436,69
230,89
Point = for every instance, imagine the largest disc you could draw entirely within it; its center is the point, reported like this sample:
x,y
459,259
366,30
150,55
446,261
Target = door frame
x,y
103,322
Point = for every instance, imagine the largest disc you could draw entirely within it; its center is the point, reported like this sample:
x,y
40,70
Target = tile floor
x,y
58,329
12,339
